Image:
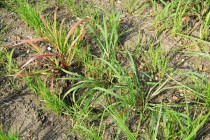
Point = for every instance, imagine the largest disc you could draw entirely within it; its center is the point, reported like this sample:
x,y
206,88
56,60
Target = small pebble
x,y
200,68
182,60
49,48
175,98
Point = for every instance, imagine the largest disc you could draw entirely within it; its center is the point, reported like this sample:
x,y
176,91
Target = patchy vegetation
x,y
124,69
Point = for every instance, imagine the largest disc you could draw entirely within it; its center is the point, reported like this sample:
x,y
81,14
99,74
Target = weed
x,y
64,45
178,15
171,120
111,2
3,29
11,67
121,123
131,5
7,63
164,20
9,136
108,36
205,27
30,15
199,88
51,99
155,61
82,9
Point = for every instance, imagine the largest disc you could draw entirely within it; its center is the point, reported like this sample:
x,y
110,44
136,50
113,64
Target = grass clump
x,y
156,61
131,6
182,16
62,42
174,123
9,136
107,34
29,14
52,99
